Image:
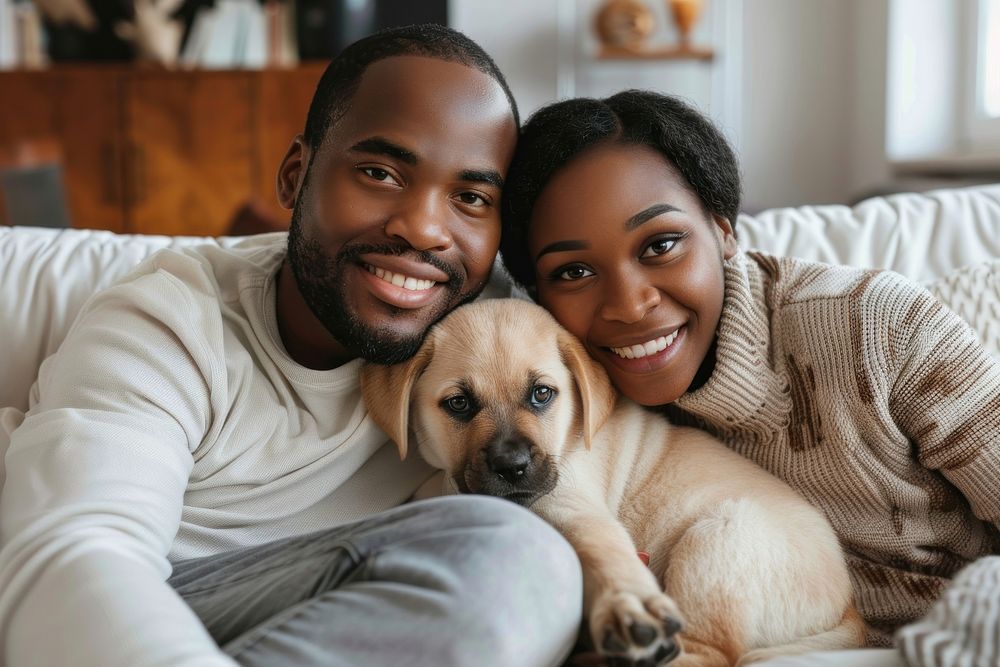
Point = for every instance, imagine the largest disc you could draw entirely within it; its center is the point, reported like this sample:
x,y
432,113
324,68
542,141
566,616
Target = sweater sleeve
x,y
96,476
946,399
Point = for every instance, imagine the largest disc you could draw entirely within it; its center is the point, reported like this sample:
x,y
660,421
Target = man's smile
x,y
402,281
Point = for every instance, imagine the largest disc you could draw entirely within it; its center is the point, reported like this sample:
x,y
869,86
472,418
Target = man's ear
x,y
726,235
292,172
597,396
387,391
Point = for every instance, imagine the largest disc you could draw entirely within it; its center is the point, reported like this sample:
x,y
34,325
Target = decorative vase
x,y
624,24
685,14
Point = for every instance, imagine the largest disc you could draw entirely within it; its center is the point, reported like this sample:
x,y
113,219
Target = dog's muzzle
x,y
511,467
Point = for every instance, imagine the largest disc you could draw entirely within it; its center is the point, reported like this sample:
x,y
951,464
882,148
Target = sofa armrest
x,y
46,275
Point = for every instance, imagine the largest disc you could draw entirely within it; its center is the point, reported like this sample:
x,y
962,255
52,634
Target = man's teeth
x,y
399,280
647,348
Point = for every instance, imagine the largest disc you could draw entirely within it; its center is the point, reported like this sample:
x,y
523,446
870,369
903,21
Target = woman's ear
x,y
292,172
726,236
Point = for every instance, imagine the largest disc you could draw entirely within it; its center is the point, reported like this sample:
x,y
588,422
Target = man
x,y
203,420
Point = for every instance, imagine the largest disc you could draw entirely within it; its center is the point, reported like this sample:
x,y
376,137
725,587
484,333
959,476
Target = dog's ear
x,y
387,391
597,396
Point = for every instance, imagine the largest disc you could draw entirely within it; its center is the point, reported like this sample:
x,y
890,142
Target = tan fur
x,y
750,567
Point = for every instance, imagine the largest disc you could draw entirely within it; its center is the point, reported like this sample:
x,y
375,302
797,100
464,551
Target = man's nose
x,y
422,222
628,301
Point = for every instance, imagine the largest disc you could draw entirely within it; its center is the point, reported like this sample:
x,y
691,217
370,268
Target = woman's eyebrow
x,y
648,214
561,246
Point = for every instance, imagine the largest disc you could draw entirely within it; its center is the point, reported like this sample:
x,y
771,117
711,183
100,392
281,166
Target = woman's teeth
x,y
399,280
647,348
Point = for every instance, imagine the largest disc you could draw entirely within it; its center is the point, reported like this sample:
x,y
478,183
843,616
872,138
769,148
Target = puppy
x,y
741,568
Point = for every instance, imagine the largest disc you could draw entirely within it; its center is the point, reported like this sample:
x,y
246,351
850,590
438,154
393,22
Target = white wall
x,y
522,37
797,85
867,168
814,101
796,74
546,50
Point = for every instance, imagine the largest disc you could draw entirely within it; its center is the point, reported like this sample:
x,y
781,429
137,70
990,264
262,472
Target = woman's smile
x,y
646,357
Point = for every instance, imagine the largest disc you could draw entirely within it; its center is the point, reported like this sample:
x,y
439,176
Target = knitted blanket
x,y
963,627
974,294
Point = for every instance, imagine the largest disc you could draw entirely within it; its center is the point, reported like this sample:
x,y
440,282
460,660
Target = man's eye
x,y
660,247
378,174
472,199
574,273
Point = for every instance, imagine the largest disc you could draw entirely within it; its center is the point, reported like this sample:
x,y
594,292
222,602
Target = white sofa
x,y
948,240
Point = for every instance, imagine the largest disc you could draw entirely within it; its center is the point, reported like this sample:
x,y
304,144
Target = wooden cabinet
x,y
160,152
198,126
89,128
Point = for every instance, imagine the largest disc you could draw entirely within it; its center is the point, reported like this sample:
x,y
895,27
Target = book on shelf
x,y
254,42
197,38
8,50
241,34
281,43
220,50
22,37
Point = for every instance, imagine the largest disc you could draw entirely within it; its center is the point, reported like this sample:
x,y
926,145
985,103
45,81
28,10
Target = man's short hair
x,y
343,75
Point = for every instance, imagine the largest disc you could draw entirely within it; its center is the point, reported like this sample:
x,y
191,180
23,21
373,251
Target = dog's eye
x,y
458,404
541,395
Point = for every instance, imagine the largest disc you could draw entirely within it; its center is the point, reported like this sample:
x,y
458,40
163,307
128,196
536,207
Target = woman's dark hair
x,y
556,134
343,75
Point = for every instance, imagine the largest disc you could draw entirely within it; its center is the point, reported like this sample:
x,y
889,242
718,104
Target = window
x,y
943,85
989,58
982,116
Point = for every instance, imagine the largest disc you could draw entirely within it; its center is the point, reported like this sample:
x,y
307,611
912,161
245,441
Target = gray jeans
x,y
459,580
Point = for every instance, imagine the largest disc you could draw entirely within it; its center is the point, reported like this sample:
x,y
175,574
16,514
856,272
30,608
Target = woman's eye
x,y
660,247
541,395
457,404
574,273
378,174
472,199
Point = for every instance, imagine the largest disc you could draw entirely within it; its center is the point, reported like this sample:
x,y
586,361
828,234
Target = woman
x,y
856,387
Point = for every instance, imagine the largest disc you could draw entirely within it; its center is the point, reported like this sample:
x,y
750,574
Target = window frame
x,y
980,132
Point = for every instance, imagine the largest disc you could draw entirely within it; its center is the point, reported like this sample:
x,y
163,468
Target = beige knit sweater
x,y
874,401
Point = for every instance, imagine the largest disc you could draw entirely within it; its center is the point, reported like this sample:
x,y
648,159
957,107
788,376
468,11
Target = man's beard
x,y
320,281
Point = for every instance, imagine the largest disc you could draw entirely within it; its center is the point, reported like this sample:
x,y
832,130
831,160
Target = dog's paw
x,y
631,631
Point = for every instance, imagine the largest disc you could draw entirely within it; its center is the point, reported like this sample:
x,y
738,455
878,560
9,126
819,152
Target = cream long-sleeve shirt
x,y
877,403
172,424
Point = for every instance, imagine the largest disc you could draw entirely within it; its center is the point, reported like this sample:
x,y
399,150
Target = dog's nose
x,y
510,457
